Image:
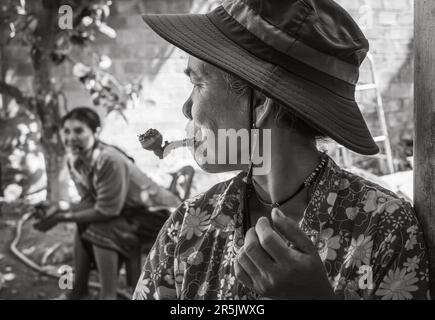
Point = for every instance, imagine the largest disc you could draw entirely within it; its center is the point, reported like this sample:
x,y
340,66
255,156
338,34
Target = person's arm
x,y
83,216
59,215
401,267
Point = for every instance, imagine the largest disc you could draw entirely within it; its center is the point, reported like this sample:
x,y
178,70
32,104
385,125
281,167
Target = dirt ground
x,y
19,281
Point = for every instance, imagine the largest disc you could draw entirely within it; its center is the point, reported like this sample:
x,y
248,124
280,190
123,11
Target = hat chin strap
x,y
251,127
248,183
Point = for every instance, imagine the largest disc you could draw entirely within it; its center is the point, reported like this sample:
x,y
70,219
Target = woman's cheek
x,y
88,142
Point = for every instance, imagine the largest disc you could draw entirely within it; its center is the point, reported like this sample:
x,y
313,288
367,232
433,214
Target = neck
x,y
293,159
86,155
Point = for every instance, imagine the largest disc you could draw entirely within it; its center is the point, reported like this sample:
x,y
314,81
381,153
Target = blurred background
x,y
112,61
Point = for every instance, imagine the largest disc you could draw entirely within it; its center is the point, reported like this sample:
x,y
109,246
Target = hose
x,y
45,270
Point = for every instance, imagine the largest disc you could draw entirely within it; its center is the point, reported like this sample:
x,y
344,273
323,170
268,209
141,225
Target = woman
x,y
305,229
115,217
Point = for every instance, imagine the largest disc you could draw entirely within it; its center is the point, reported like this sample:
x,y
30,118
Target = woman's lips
x,y
194,132
74,147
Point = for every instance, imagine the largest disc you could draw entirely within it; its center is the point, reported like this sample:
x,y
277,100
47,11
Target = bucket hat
x,y
305,54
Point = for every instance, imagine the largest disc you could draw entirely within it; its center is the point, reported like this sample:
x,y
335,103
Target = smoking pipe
x,y
152,140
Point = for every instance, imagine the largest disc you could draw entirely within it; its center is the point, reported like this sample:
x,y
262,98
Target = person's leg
x,y
107,263
133,268
82,263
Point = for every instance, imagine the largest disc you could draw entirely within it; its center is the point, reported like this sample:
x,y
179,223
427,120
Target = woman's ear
x,y
97,132
262,111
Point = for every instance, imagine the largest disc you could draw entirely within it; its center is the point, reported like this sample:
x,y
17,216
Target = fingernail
x,y
278,213
263,220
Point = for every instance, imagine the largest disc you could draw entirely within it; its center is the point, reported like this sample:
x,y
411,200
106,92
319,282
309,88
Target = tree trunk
x,y
424,123
3,101
47,104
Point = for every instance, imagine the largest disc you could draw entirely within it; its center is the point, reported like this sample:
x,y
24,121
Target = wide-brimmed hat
x,y
305,54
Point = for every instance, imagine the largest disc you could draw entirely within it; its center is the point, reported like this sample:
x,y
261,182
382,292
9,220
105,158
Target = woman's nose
x,y
69,137
187,108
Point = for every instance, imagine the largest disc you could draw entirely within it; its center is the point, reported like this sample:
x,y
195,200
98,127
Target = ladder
x,y
384,138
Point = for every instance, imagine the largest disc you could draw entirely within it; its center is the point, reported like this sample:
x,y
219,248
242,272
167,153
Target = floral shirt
x,y
369,240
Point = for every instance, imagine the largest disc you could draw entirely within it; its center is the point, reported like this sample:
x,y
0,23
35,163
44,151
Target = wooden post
x,y
424,124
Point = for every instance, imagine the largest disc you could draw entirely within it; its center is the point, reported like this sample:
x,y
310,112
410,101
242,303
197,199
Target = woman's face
x,y
77,136
213,107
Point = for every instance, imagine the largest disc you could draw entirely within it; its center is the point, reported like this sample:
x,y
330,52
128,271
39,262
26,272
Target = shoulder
x,y
373,210
214,192
207,200
108,156
368,193
366,206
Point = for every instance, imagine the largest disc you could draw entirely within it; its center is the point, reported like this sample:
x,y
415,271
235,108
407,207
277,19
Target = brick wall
x,y
138,52
388,24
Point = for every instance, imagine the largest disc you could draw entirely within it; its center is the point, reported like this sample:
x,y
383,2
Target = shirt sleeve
x,y
158,280
401,264
111,186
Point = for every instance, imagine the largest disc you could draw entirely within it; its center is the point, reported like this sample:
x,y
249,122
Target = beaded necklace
x,y
308,181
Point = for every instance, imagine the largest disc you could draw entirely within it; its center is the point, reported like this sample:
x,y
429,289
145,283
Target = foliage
x,y
35,24
89,19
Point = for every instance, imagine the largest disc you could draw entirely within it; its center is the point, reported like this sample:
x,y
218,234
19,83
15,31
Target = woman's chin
x,y
220,168
74,151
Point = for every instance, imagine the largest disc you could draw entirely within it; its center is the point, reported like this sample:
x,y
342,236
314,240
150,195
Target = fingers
x,y
291,231
242,276
45,224
250,260
261,259
52,210
40,226
246,263
271,242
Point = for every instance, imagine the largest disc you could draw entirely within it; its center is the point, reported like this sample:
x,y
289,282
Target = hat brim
x,y
335,116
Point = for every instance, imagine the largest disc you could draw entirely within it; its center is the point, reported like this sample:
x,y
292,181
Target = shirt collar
x,y
324,193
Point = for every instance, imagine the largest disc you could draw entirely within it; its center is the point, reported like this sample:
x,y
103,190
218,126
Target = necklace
x,y
307,182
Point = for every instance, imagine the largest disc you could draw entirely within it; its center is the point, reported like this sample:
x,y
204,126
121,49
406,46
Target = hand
x,y
48,216
47,223
45,209
271,268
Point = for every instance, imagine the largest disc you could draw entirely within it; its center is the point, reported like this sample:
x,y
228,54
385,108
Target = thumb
x,y
291,231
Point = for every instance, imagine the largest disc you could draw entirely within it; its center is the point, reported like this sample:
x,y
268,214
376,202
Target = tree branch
x,y
12,91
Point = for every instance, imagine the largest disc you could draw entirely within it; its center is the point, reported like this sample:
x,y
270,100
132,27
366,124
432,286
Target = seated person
x,y
115,217
306,228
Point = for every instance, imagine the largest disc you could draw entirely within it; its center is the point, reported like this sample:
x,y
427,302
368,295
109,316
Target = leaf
x,y
9,276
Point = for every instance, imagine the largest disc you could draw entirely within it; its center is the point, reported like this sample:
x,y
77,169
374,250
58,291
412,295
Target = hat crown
x,y
320,24
303,54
